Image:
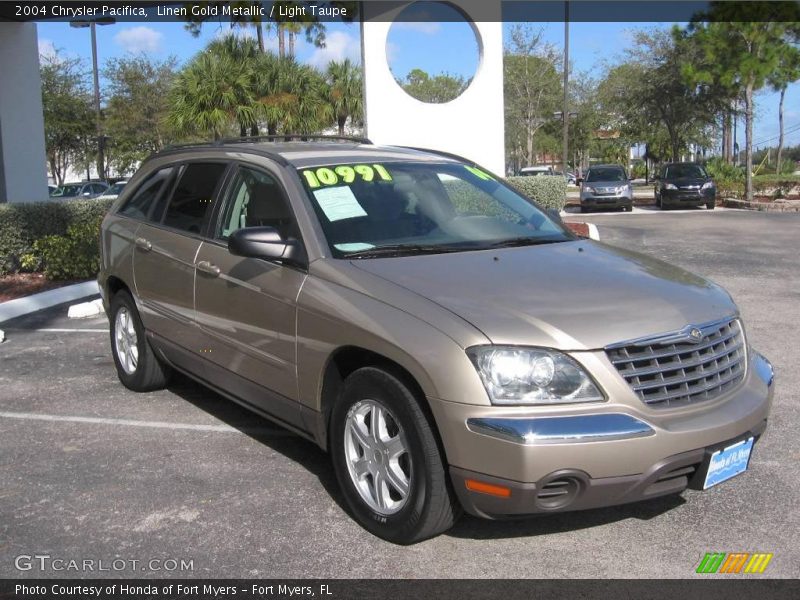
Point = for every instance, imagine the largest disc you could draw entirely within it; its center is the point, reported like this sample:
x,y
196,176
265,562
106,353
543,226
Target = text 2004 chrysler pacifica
x,y
449,342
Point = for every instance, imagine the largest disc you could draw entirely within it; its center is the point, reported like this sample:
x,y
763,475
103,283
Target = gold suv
x,y
447,340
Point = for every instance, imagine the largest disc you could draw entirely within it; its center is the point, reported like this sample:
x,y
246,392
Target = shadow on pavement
x,y
294,447
545,524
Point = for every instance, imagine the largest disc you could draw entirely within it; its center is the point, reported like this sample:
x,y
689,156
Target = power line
x,y
786,131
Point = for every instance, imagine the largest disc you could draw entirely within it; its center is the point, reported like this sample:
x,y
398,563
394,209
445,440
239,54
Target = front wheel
x,y
387,460
711,205
137,365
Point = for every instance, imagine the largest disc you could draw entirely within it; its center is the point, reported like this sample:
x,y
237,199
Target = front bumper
x,y
614,454
688,197
618,200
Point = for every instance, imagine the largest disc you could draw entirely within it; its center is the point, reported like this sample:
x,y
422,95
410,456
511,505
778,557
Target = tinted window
x,y
255,200
144,202
193,196
605,174
681,171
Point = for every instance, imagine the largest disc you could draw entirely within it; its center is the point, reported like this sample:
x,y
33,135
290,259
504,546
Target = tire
x,y
658,201
711,205
584,209
140,371
428,507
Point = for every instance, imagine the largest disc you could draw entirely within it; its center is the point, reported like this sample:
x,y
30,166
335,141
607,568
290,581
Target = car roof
x,y
606,167
308,154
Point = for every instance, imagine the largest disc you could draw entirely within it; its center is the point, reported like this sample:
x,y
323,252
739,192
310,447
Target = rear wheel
x,y
584,209
658,201
138,368
387,460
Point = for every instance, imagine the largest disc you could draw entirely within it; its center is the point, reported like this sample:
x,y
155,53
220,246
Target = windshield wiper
x,y
523,241
403,250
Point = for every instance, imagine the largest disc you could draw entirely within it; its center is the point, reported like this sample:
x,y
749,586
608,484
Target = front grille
x,y
669,372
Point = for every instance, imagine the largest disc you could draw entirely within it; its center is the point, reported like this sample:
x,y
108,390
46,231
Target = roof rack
x,y
303,137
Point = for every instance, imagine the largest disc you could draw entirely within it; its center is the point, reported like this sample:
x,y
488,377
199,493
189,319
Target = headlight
x,y
621,188
708,185
589,189
670,186
517,375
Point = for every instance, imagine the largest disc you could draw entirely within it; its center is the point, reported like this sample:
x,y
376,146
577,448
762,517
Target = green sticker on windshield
x,y
478,173
344,174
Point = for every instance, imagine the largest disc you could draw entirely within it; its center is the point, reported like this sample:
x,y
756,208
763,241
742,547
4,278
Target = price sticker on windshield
x,y
344,174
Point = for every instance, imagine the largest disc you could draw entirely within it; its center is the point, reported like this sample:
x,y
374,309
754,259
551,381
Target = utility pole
x,y
101,140
565,155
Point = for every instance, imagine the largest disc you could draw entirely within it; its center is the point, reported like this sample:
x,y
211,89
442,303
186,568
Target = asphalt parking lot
x,y
89,470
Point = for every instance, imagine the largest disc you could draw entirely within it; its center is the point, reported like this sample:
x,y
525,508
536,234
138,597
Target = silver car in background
x,y
606,186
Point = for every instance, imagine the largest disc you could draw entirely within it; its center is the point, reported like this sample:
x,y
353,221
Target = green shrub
x,y
469,200
722,171
548,191
75,255
22,224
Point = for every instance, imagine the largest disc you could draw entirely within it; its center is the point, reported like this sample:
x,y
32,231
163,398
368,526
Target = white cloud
x,y
426,27
338,46
47,49
139,39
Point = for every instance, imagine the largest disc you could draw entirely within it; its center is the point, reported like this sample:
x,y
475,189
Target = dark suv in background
x,y
684,184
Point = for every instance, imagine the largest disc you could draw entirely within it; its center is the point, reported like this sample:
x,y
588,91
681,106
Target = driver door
x,y
246,307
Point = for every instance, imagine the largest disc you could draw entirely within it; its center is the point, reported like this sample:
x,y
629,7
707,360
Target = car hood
x,y
572,295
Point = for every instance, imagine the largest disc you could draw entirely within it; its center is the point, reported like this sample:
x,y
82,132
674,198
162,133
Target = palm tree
x,y
787,72
289,96
345,92
210,94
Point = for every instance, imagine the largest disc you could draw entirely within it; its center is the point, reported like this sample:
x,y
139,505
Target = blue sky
x,y
434,47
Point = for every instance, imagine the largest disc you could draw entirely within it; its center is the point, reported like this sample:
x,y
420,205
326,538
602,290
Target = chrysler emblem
x,y
695,334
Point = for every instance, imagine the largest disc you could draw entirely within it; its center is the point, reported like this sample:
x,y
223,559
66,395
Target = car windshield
x,y
114,189
605,174
390,209
685,171
66,190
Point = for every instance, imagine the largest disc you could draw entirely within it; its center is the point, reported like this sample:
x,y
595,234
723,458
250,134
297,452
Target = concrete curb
x,y
36,302
85,309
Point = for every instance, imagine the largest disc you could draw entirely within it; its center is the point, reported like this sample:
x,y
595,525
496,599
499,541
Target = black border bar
x,y
541,11
709,587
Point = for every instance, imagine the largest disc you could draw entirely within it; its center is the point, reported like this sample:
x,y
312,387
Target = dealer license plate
x,y
728,463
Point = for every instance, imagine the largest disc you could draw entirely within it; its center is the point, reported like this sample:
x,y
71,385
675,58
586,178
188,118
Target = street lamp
x,y
92,25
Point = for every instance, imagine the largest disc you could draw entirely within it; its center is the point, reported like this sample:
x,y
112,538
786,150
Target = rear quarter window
x,y
193,196
144,203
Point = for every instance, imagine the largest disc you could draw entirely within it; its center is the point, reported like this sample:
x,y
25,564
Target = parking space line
x,y
135,423
57,330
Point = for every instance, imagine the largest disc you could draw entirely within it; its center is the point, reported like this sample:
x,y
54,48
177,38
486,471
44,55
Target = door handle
x,y
144,244
207,267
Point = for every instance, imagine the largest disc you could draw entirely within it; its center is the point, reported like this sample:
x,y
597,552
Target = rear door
x,y
165,254
247,307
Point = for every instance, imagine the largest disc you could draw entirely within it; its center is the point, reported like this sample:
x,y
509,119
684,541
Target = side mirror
x,y
265,242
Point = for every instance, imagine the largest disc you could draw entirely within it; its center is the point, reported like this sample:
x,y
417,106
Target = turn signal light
x,y
488,488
